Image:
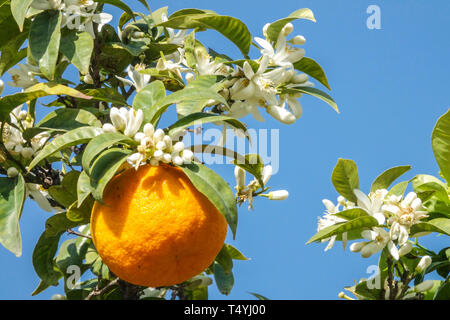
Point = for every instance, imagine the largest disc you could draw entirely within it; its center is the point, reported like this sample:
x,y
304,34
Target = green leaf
x,y
440,140
234,253
106,95
313,69
345,179
337,229
69,139
443,292
19,10
351,214
83,187
68,119
119,4
315,93
224,281
225,260
439,225
148,97
384,180
438,206
232,28
100,143
399,189
363,290
47,246
215,189
258,296
77,47
66,193
45,35
12,197
71,253
186,95
253,164
427,183
200,118
8,103
275,28
104,168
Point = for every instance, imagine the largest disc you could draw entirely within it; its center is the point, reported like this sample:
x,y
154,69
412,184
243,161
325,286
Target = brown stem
x,y
98,291
70,231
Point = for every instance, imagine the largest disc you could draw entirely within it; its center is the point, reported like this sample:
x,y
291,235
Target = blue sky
x,y
391,86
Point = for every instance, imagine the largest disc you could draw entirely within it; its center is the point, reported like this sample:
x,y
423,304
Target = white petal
x,y
393,250
369,234
363,200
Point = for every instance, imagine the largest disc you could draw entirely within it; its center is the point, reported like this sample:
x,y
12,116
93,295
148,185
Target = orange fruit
x,y
155,228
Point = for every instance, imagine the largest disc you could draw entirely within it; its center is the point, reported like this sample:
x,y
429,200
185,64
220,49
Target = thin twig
x,y
97,292
70,231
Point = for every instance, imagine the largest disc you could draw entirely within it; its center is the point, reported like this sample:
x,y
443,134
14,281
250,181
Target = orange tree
x,y
100,159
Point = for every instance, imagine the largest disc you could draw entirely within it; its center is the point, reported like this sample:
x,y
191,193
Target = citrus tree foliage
x,y
107,120
391,221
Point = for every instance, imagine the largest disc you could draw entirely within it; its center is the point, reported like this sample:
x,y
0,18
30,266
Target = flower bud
x,y
167,158
27,152
178,147
405,249
287,29
239,174
117,118
341,200
357,246
154,162
189,77
278,195
424,286
12,172
2,86
158,135
298,40
168,141
161,145
138,136
424,263
109,128
410,197
149,130
416,204
281,114
266,26
266,174
177,160
88,79
300,78
158,154
187,156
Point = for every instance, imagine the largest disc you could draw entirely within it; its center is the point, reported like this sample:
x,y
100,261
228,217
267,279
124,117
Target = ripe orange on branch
x,y
155,228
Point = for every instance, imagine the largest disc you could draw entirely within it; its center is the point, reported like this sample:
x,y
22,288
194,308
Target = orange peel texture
x,y
155,228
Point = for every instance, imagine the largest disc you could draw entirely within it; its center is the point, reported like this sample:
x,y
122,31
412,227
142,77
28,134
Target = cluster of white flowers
x,y
246,89
154,145
24,151
14,141
247,192
78,15
394,214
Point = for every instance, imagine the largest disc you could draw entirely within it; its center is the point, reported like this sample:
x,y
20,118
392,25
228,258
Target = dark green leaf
x,y
45,35
68,119
313,69
224,281
69,139
148,97
215,189
77,47
100,143
12,197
